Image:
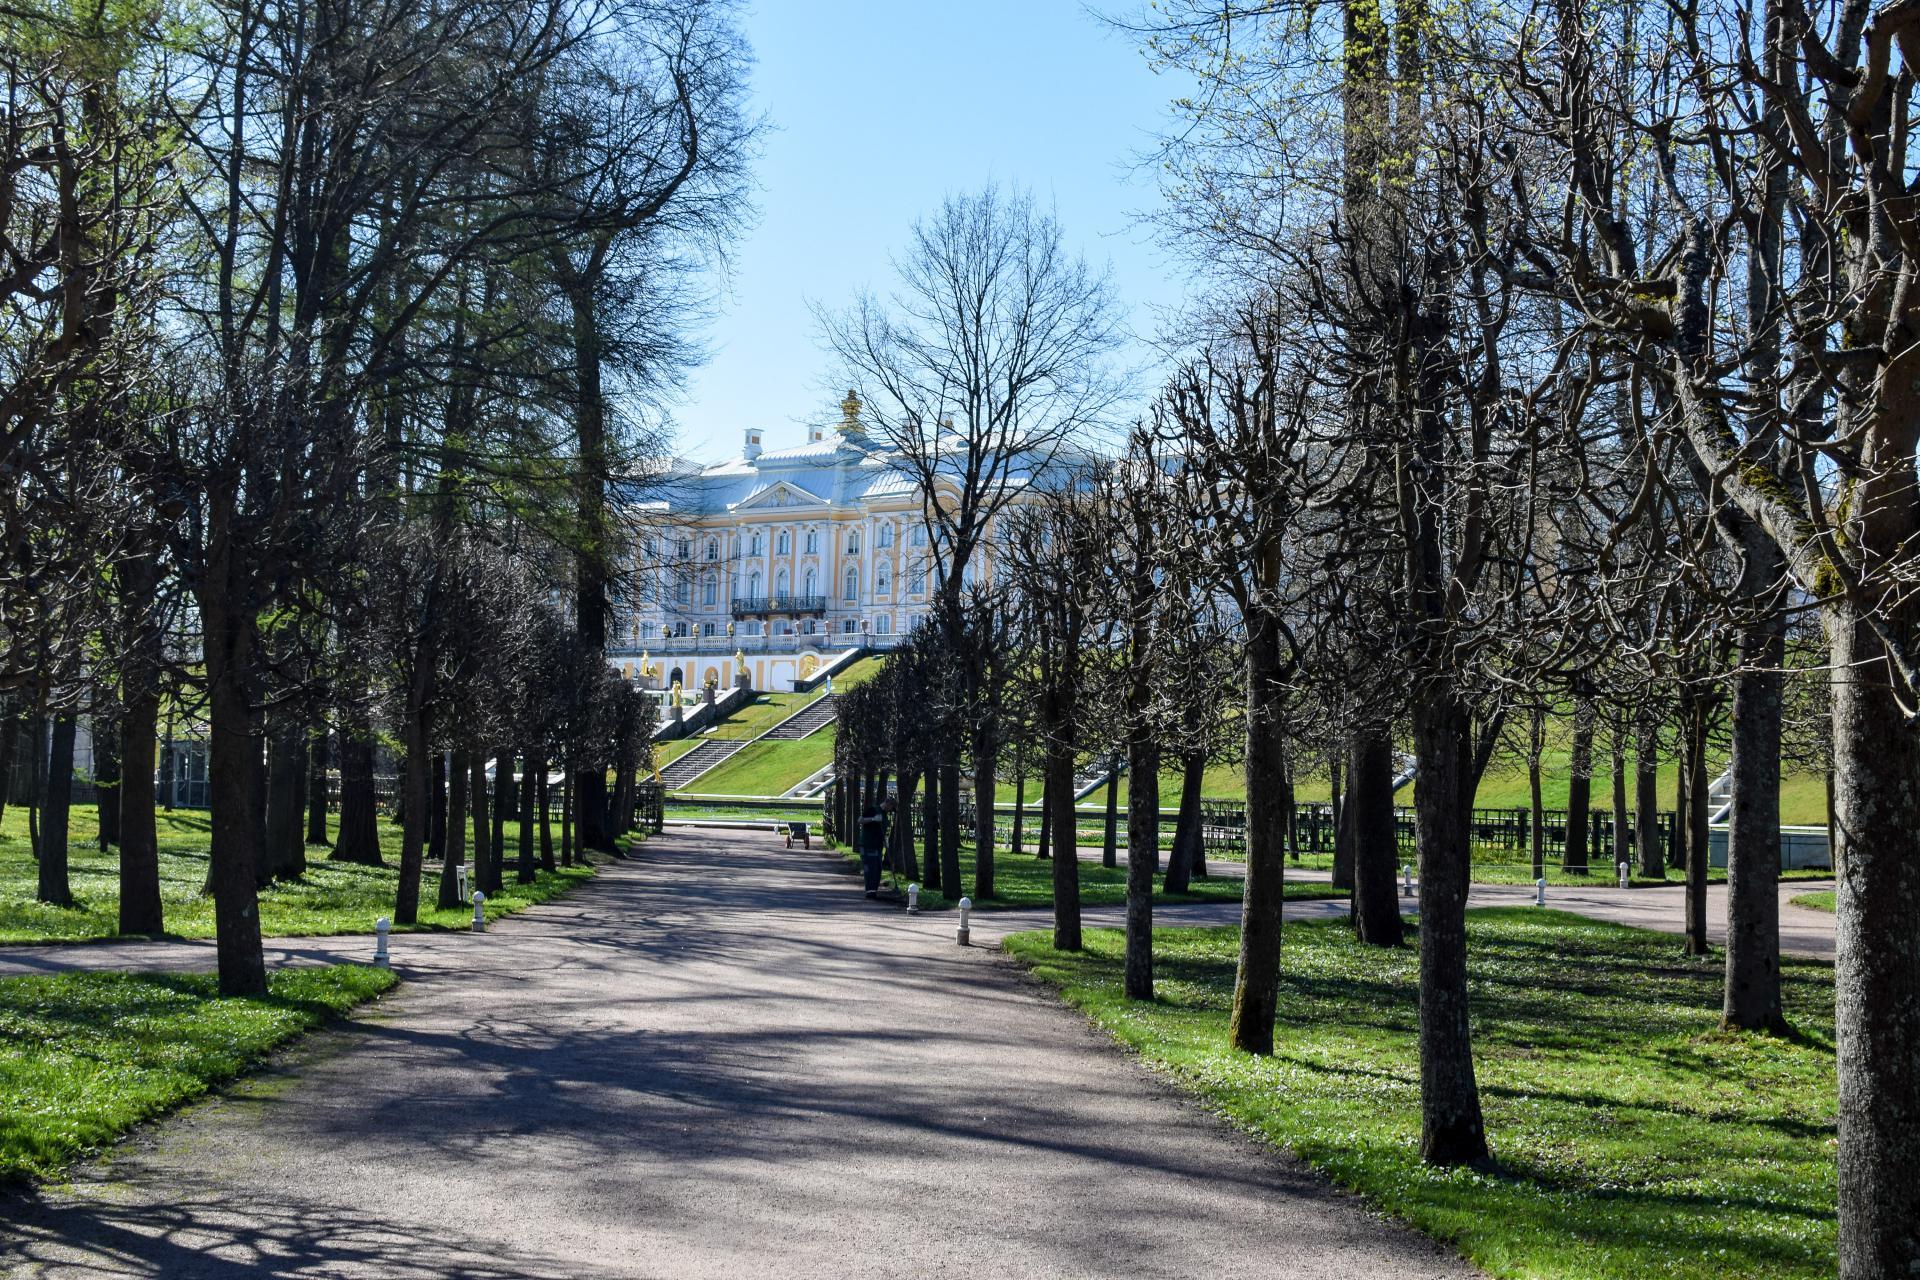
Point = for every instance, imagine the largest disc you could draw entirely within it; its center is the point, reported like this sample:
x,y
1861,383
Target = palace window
x,y
853,542
884,538
813,583
713,548
753,584
783,544
919,535
753,546
683,591
917,580
813,542
710,590
710,629
684,548
847,626
680,629
883,625
780,583
852,591
883,578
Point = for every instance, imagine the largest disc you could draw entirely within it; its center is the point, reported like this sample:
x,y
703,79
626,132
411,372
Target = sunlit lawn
x,y
86,1056
332,897
1631,1137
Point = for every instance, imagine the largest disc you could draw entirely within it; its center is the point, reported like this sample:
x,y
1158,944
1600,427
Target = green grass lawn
x,y
333,897
84,1057
1817,901
698,811
767,768
1803,796
858,673
1021,880
1673,1150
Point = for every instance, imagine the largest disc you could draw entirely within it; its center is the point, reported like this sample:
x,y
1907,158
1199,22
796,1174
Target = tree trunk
x,y
228,650
1143,849
907,862
1376,841
1536,804
1044,849
317,788
524,870
1877,960
566,818
417,822
1452,1131
1646,803
55,811
504,803
950,829
1682,796
284,852
1066,861
140,907
1695,816
930,823
983,784
453,853
1110,843
1343,831
106,779
483,856
1186,827
359,838
1016,846
1622,833
542,803
1752,996
1256,992
437,809
1573,857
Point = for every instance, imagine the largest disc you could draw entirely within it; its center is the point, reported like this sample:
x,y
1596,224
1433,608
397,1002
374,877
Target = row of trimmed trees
x,y
1533,379
336,337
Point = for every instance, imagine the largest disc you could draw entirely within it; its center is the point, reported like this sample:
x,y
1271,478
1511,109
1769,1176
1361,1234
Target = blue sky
x,y
877,111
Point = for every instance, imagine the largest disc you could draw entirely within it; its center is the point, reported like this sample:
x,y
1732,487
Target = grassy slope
x,y
1817,901
768,768
665,753
332,897
1673,1151
86,1056
765,711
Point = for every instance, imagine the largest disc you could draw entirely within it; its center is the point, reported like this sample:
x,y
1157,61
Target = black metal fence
x,y
649,807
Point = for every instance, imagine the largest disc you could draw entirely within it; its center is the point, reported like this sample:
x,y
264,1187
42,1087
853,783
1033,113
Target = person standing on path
x,y
872,844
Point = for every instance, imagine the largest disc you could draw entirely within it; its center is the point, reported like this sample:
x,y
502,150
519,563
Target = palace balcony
x,y
761,606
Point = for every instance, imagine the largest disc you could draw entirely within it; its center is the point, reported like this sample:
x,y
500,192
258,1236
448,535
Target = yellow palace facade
x,y
785,558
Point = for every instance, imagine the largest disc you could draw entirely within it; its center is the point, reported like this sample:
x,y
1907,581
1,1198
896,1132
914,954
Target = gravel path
x,y
720,1061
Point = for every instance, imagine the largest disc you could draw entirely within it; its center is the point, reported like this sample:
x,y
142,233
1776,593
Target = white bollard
x,y
479,912
1625,880
380,928
913,899
966,914
1406,881
1540,892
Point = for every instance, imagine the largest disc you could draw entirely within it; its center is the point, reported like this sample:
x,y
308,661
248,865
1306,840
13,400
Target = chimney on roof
x,y
816,433
752,450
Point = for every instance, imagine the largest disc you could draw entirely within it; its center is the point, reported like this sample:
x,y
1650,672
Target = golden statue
x,y
676,693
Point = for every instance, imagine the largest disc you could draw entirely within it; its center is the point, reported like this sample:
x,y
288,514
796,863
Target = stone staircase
x,y
815,715
706,756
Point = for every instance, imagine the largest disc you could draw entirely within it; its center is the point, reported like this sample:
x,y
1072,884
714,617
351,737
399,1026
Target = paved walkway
x,y
720,1061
